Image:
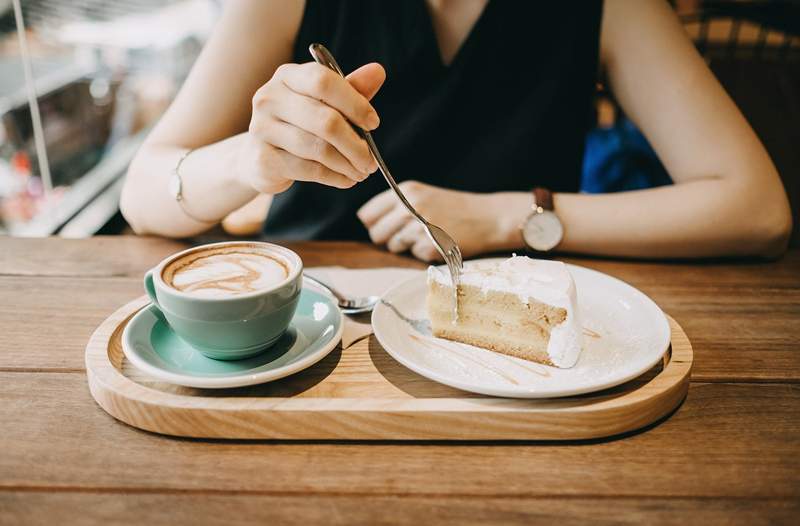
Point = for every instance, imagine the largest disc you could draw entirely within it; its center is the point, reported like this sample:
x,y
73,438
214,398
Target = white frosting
x,y
228,274
531,279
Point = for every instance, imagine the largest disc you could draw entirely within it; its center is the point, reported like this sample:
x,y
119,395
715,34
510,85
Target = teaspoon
x,y
347,305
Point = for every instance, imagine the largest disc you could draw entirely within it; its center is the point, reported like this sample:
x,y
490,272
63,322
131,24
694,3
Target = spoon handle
x,y
338,295
324,57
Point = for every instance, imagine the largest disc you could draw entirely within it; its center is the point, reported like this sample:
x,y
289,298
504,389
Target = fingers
x,y
423,249
412,236
305,170
303,111
376,208
319,82
302,144
388,225
405,238
367,79
328,124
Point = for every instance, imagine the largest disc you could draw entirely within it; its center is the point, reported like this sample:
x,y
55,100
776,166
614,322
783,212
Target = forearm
x,y
209,187
701,218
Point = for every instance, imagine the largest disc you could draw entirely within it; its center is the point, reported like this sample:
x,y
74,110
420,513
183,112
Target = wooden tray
x,y
362,393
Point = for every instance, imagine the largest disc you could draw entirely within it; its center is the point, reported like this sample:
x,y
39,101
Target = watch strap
x,y
543,198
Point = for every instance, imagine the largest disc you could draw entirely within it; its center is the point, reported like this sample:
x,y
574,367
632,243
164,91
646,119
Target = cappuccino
x,y
225,271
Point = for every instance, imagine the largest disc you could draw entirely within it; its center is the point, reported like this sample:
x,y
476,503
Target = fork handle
x,y
324,57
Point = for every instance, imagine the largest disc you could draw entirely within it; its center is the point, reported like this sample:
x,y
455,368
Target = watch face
x,y
543,231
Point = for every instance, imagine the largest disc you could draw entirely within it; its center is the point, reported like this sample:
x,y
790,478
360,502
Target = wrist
x,y
509,210
210,185
240,160
251,171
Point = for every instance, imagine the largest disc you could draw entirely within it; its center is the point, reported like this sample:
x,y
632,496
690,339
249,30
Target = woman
x,y
483,102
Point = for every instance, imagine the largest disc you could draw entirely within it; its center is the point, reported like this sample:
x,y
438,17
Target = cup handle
x,y
150,288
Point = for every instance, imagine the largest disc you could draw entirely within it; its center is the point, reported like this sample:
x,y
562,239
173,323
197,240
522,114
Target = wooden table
x,y
730,453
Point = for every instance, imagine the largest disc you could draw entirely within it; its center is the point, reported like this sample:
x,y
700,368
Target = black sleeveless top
x,y
509,113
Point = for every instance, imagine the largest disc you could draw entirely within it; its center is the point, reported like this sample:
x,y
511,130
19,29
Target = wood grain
x,y
729,454
740,317
730,342
102,256
72,307
117,256
222,509
726,440
349,397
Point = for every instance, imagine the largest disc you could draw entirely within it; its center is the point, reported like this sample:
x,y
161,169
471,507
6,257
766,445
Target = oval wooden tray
x,y
362,393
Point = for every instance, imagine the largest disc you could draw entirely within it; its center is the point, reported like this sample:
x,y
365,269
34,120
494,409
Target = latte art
x,y
221,273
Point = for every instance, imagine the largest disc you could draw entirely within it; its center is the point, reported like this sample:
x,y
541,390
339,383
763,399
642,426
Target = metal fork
x,y
443,242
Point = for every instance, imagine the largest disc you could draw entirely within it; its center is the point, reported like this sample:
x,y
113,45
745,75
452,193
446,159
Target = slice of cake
x,y
522,307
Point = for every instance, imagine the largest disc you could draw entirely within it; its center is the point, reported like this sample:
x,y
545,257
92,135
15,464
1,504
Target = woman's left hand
x,y
478,222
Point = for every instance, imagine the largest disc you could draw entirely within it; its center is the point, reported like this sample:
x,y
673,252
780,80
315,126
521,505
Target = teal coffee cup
x,y
228,300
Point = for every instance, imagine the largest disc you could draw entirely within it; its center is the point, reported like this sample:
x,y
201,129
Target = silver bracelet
x,y
176,188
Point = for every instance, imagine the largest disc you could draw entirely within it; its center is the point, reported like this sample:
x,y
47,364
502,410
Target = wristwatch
x,y
542,231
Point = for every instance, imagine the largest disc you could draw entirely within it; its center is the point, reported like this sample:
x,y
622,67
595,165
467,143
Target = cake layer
x,y
498,321
532,352
494,309
521,306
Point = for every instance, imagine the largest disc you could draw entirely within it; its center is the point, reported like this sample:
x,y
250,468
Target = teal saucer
x,y
151,346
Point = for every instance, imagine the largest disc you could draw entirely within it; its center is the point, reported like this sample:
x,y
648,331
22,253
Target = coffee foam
x,y
225,271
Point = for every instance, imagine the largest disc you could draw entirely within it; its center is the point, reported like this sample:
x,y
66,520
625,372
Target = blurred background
x,y
103,71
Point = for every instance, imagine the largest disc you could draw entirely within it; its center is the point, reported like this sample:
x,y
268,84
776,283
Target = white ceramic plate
x,y
625,335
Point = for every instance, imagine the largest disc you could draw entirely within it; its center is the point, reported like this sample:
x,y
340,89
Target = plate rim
x,y
206,382
521,394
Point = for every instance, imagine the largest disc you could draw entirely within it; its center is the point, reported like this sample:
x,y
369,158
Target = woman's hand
x,y
299,129
478,222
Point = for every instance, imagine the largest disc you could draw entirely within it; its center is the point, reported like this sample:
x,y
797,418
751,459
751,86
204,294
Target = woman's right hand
x,y
299,130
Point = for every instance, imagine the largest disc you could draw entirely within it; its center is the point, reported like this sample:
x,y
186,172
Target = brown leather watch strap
x,y
543,197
